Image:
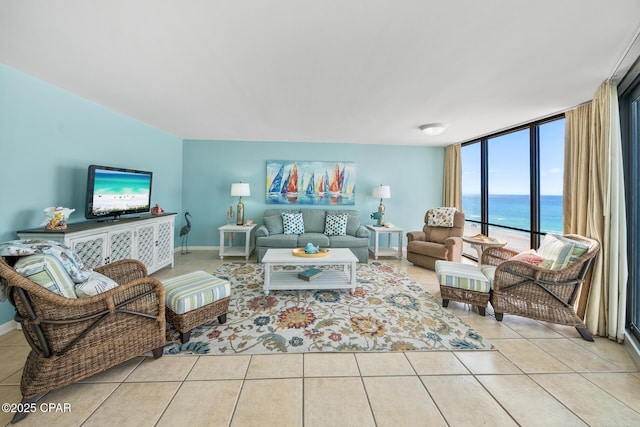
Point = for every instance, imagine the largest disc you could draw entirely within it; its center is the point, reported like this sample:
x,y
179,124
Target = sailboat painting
x,y
292,182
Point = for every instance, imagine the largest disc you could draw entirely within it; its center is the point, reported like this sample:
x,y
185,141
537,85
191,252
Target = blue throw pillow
x,y
292,223
335,225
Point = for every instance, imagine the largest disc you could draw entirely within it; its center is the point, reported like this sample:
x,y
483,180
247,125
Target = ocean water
x,y
513,211
116,183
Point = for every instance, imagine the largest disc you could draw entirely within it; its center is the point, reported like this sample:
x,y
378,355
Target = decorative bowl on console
x,y
56,218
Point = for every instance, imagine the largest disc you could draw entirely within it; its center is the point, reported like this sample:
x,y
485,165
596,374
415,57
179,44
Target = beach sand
x,y
515,240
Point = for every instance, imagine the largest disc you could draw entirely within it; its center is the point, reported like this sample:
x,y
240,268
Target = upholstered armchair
x,y
541,285
435,243
74,338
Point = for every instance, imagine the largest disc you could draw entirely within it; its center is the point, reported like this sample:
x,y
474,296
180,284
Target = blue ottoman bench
x,y
194,299
463,283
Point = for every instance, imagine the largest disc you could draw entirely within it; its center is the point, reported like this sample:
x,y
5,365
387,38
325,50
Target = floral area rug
x,y
388,311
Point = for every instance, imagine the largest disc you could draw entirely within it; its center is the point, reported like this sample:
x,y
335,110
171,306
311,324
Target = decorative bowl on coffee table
x,y
301,253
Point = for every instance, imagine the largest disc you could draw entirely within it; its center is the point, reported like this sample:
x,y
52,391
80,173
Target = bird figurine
x,y
310,249
184,234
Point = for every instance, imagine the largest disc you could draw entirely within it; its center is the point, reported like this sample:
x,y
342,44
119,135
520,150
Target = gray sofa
x,y
271,234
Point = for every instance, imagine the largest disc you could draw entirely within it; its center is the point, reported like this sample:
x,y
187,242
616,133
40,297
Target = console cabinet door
x,y
120,245
164,243
145,245
92,250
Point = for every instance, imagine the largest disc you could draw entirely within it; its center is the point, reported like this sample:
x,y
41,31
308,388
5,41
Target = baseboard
x,y
197,248
633,347
9,326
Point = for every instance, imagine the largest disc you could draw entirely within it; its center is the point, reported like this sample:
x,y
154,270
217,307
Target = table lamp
x,y
382,192
240,189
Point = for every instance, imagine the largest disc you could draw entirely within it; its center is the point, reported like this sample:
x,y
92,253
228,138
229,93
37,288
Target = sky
x,y
509,162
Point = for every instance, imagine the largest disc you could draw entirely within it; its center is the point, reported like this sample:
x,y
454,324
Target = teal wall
x,y
414,174
48,138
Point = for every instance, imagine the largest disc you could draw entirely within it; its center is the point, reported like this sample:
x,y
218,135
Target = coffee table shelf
x,y
288,279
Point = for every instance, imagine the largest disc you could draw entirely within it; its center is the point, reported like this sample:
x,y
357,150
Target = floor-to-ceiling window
x,y
630,129
512,184
551,175
471,188
508,186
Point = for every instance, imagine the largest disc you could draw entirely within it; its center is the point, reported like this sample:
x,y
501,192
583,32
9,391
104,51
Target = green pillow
x,y
274,224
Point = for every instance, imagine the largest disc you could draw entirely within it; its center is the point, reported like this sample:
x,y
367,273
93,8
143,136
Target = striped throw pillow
x,y
48,272
561,250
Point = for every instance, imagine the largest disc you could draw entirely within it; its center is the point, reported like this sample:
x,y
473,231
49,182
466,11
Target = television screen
x,y
116,191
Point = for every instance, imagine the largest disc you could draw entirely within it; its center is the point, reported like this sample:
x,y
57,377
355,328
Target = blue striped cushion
x,y
490,273
48,272
194,290
561,249
463,276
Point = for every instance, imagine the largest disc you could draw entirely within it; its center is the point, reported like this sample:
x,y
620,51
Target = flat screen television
x,y
112,192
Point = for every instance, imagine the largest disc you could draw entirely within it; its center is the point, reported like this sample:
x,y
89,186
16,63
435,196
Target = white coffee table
x,y
330,279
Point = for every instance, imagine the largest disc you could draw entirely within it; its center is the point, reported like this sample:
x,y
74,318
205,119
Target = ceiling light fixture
x,y
433,128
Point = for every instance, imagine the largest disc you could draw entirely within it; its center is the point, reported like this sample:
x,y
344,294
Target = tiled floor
x,y
540,374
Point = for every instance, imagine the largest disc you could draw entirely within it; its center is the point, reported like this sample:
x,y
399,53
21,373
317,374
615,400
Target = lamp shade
x,y
382,192
240,189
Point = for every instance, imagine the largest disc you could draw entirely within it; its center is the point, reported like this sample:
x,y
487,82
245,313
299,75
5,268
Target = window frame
x,y
535,232
630,133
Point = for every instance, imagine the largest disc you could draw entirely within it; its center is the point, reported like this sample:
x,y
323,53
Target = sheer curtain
x,y
594,206
452,187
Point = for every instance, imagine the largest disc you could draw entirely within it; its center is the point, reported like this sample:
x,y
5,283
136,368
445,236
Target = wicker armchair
x,y
527,290
72,339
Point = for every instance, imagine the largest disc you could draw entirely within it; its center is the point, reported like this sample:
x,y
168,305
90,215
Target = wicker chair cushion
x,y
560,249
531,257
463,276
489,272
94,285
194,290
65,256
19,248
48,272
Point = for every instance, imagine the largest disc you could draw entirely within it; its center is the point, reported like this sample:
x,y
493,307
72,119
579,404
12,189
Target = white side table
x,y
249,240
388,251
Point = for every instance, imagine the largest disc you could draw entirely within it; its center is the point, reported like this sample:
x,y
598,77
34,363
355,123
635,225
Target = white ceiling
x,y
352,71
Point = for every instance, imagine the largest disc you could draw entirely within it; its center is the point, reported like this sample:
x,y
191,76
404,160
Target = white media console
x,y
148,239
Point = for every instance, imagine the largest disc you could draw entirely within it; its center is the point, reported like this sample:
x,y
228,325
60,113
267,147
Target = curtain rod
x,y
634,40
541,118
